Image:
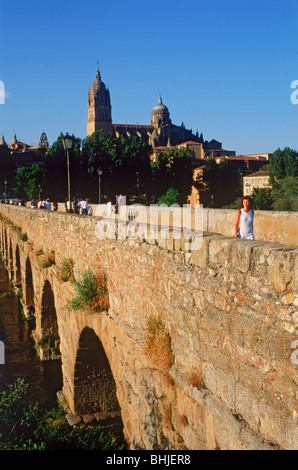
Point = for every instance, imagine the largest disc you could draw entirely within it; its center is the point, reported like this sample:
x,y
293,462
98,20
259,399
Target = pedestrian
x,y
89,207
33,204
110,209
67,205
47,204
244,220
75,207
40,205
55,206
83,205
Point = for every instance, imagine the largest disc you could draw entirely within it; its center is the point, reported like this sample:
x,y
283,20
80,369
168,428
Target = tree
x,y
173,169
125,163
285,194
169,198
7,168
219,184
262,199
27,180
283,163
56,185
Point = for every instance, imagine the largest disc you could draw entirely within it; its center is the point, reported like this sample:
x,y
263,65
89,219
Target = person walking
x,y
83,205
244,220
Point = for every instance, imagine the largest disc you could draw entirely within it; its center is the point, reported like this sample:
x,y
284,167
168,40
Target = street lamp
x,y
67,144
5,183
99,172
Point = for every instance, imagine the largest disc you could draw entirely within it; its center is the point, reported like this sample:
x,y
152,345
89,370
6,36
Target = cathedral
x,y
161,132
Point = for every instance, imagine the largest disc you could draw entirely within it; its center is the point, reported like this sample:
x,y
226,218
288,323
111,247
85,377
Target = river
x,y
21,359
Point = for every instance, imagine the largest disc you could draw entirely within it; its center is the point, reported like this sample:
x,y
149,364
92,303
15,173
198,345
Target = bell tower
x,y
99,106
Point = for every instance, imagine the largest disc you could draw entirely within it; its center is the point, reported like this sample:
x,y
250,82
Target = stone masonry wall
x,y
229,310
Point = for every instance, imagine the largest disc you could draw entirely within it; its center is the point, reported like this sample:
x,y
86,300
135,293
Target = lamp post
x,y
67,144
5,183
39,190
99,172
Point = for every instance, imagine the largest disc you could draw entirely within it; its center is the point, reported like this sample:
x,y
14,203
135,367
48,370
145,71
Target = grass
x,y
158,344
92,293
66,270
30,427
45,260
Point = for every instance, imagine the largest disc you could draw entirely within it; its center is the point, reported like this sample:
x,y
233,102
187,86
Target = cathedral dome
x,y
160,108
160,114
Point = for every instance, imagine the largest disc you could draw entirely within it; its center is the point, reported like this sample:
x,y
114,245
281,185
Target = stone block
x,y
241,255
280,269
219,251
247,406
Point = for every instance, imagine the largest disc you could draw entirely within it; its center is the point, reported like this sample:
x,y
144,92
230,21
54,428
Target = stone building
x,y
258,180
23,153
161,132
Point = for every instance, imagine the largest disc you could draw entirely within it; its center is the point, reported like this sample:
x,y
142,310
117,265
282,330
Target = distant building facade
x,y
258,180
25,154
160,133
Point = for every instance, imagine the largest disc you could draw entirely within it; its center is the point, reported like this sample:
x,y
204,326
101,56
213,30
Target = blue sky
x,y
223,67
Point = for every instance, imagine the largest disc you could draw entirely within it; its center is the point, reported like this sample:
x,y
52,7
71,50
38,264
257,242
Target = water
x,y
21,359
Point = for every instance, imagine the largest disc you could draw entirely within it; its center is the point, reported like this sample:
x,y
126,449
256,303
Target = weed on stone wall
x,y
158,345
66,272
92,293
45,260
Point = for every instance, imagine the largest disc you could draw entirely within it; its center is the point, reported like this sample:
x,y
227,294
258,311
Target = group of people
x,y
79,206
43,204
243,224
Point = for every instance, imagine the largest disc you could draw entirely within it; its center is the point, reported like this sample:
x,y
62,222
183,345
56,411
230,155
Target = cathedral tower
x,y
99,107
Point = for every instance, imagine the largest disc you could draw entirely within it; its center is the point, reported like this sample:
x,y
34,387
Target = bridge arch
x,y
18,272
28,291
94,384
48,334
10,259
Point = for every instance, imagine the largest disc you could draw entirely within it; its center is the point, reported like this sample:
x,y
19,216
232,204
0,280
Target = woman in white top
x,y
244,220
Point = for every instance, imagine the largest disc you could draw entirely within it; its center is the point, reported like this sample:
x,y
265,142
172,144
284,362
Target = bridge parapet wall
x,y
230,311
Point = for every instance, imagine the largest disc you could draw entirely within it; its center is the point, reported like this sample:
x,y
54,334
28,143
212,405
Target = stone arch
x,y
10,260
18,272
28,292
5,243
94,385
49,341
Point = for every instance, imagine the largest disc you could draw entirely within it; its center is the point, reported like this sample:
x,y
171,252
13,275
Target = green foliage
x,y
66,270
46,260
169,198
125,163
285,195
7,169
55,185
262,199
219,184
30,427
23,237
173,168
91,293
284,163
27,180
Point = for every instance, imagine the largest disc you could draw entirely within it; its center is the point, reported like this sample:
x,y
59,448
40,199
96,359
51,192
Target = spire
x,y
97,75
2,142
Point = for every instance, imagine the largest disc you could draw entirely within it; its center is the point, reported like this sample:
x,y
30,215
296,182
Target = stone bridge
x,y
197,347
